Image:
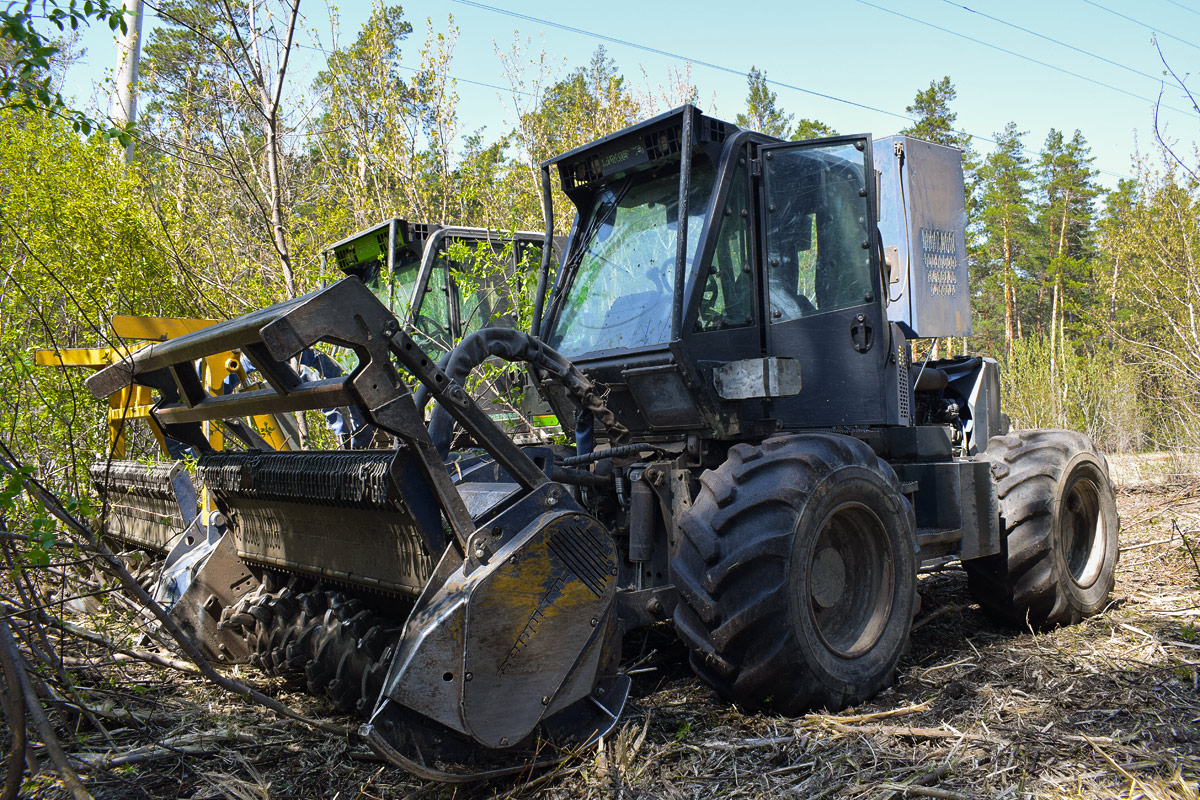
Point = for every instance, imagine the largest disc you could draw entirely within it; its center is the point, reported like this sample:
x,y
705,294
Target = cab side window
x,y
816,227
728,298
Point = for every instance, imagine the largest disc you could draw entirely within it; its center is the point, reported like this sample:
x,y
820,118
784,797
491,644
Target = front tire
x,y
796,574
1059,524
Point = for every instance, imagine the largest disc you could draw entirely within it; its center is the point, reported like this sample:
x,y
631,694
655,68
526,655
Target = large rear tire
x,y
1058,528
796,574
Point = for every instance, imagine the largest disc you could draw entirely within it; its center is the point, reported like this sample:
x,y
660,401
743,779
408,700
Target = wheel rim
x,y
850,579
1083,531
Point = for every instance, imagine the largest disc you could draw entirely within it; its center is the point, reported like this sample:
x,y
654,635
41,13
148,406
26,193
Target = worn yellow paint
x,y
136,402
157,329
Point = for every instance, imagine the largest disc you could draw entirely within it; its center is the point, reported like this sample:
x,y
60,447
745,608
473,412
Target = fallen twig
x,y
12,657
1144,545
51,504
925,791
895,712
918,733
1123,772
135,655
191,745
923,780
748,744
940,612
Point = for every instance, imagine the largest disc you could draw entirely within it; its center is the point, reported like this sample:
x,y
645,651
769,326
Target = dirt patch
x,y
1109,708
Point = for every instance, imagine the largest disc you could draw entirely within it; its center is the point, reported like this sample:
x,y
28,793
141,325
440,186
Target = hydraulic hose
x,y
513,345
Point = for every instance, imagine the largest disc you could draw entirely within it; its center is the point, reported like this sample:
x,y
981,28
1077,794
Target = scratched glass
x,y
621,289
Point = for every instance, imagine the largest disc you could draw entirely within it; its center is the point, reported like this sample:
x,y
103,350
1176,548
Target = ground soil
x,y
1109,708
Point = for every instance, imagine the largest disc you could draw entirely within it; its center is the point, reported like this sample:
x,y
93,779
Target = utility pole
x,y
129,51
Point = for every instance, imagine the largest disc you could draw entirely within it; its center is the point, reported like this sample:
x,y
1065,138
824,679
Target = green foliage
x,y
812,129
82,245
25,77
1065,387
1001,234
1149,235
589,102
26,513
762,114
215,134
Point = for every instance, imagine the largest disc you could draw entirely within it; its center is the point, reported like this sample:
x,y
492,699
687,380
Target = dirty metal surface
x,y
147,505
344,516
219,584
515,632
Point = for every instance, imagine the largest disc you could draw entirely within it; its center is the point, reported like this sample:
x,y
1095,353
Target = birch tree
x,y
215,76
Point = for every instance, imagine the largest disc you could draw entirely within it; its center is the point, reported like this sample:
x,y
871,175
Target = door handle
x,y
861,334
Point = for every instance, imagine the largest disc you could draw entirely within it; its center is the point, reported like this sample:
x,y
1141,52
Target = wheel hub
x,y
828,578
850,580
1083,530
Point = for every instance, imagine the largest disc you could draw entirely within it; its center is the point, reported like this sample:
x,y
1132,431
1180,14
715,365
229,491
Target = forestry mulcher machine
x,y
757,461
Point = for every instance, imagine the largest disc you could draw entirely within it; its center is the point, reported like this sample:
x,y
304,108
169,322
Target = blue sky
x,y
853,64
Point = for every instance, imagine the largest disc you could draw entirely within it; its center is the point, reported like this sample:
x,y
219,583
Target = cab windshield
x,y
620,278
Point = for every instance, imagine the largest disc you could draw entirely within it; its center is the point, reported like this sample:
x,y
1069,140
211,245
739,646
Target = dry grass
x,y
1106,709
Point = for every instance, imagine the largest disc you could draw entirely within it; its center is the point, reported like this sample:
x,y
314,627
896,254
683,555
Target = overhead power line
x,y
1185,8
1015,54
323,51
678,56
1042,36
730,70
1153,28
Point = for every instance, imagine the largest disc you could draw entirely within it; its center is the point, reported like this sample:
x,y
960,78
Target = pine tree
x,y
762,114
812,129
1004,225
1065,222
935,121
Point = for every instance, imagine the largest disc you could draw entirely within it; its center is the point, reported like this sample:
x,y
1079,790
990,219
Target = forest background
x,y
1086,295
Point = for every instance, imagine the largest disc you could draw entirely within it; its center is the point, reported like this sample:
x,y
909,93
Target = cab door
x,y
821,287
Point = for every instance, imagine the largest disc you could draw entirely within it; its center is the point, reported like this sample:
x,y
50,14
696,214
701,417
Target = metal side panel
x,y
516,631
956,510
219,584
148,505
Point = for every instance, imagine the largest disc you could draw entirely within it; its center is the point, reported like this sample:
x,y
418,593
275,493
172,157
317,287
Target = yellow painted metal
x,y
132,402
135,402
97,357
157,329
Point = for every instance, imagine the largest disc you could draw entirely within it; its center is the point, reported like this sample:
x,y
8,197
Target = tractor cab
x,y
726,284
442,283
